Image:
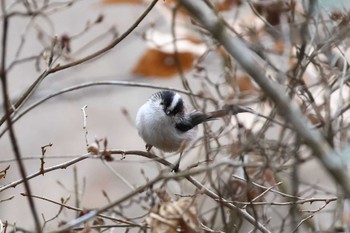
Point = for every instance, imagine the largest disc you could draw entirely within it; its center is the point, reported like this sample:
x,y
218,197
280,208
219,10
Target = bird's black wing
x,y
190,121
195,118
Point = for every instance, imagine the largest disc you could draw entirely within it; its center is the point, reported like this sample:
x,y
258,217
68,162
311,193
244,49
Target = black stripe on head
x,y
172,102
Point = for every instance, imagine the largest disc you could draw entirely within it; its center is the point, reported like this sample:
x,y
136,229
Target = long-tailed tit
x,y
164,122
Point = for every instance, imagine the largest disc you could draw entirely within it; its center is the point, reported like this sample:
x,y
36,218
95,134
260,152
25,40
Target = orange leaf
x,y
161,64
279,46
314,119
246,86
269,176
3,172
226,4
273,10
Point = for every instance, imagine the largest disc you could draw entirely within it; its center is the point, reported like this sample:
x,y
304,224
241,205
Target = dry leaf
x,y
3,172
93,148
270,176
161,64
65,42
175,216
86,229
314,119
272,10
226,4
279,46
98,221
164,57
245,84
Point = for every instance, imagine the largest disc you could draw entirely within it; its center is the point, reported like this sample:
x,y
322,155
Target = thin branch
x,y
224,202
117,174
39,157
94,213
83,109
45,170
289,110
299,202
80,158
111,45
76,187
185,174
91,84
24,97
119,83
301,222
92,56
164,177
7,107
79,209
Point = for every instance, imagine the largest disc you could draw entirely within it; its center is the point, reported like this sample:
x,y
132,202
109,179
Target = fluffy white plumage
x,y
163,121
157,126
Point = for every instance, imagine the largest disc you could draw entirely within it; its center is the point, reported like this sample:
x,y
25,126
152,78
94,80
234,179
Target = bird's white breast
x,y
158,129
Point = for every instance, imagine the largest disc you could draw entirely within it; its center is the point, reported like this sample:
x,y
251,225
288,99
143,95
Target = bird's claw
x,y
148,147
175,169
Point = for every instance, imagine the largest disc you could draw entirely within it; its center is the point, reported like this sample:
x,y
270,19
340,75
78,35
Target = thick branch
x,y
246,58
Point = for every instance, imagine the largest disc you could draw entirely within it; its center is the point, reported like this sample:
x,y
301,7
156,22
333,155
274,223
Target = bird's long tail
x,y
235,109
227,111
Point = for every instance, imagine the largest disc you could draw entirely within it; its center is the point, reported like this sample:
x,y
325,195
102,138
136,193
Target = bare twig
x,y
7,107
186,174
46,170
49,71
91,84
301,222
164,177
42,161
7,199
64,205
83,109
244,56
76,187
119,83
304,201
117,174
111,45
80,158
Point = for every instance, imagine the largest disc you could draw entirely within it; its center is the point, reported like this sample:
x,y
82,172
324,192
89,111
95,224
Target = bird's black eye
x,y
171,102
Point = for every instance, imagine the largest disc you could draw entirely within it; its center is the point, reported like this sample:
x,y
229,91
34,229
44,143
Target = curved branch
x,y
86,85
111,45
164,177
90,57
289,110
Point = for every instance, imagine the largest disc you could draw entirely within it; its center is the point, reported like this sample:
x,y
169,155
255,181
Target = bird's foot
x,y
148,147
175,169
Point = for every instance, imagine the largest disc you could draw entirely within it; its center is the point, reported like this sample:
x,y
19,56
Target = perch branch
x,y
169,176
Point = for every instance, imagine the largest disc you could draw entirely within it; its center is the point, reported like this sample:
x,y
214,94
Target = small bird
x,y
165,123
